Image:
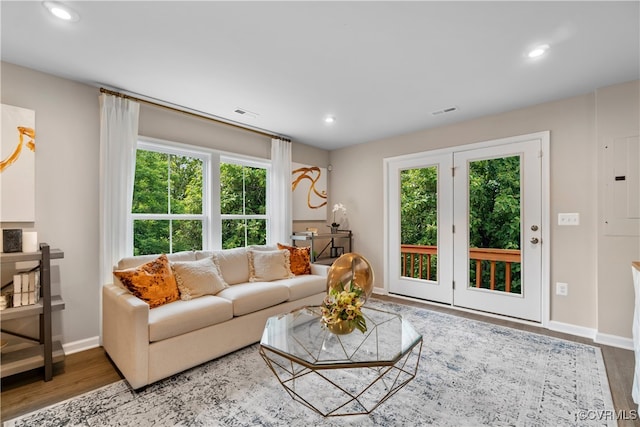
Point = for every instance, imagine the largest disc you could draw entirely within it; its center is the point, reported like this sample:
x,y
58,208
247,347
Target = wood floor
x,y
91,369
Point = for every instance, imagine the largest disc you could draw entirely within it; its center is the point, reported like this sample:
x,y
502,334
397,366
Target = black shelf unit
x,y
24,353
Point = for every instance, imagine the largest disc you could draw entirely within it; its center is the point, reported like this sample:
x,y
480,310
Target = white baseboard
x,y
570,329
553,325
81,345
592,334
614,341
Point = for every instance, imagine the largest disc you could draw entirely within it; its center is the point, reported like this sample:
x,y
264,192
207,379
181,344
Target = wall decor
x,y
30,241
17,165
12,240
309,186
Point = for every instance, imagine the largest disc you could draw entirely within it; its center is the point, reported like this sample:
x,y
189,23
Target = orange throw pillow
x,y
300,259
153,282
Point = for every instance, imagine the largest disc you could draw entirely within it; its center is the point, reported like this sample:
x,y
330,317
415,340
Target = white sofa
x,y
151,344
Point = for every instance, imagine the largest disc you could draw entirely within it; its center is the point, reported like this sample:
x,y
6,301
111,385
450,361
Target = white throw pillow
x,y
198,278
265,266
233,265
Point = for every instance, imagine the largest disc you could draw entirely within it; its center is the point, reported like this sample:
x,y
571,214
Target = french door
x,y
466,226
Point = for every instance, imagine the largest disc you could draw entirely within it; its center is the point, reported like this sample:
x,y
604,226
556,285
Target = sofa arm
x,y
320,269
125,333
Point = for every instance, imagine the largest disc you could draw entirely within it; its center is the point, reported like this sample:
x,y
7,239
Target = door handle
x,y
535,240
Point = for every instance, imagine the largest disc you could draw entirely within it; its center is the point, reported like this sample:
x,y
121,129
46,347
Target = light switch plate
x,y
562,289
568,219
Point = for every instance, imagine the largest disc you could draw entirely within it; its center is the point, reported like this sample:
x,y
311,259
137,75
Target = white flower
x,y
339,207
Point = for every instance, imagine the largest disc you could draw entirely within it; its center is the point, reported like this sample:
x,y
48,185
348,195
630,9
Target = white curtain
x,y
118,140
280,221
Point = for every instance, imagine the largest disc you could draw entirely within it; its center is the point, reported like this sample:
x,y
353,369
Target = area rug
x,y
470,374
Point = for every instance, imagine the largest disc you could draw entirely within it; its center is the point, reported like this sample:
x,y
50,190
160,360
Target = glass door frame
x,y
391,223
441,289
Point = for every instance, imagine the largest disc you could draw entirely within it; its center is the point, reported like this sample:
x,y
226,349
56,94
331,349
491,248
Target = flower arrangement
x,y
343,303
338,207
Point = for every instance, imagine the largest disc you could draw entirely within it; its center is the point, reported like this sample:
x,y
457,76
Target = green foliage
x,y
494,205
494,214
171,184
150,189
419,212
167,184
243,191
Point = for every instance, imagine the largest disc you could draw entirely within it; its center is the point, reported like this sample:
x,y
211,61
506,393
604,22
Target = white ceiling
x,y
381,68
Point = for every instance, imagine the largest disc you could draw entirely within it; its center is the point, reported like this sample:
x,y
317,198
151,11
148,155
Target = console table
x,y
337,243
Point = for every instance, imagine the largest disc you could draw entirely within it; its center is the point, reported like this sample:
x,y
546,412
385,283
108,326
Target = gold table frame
x,y
337,375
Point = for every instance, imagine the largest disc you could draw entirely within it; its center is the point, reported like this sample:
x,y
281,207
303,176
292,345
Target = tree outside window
x,y
243,205
167,207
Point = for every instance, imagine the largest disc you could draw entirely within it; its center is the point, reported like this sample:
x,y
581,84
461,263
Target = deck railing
x,y
417,263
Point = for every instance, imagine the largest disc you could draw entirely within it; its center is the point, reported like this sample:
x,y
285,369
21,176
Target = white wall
x,y
67,141
618,115
357,181
67,167
67,125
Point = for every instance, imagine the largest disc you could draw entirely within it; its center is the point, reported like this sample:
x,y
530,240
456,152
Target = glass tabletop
x,y
301,336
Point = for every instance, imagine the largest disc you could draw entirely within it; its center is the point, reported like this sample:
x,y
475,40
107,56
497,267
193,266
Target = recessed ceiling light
x,y
61,11
329,119
538,51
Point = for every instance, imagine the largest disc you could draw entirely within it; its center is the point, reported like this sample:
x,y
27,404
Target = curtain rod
x,y
190,113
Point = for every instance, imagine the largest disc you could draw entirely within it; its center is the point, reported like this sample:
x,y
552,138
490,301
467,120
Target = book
x,y
17,300
32,281
17,284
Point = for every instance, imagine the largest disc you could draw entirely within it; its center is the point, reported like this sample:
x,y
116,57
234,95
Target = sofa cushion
x,y
181,317
304,285
134,261
233,264
254,296
263,247
198,278
300,258
153,282
265,266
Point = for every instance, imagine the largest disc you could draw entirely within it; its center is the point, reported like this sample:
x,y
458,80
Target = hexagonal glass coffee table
x,y
341,374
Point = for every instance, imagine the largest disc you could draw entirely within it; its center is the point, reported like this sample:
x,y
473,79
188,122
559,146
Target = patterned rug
x,y
470,374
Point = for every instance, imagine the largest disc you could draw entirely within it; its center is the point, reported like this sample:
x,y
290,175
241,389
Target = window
x,y
243,203
168,212
176,209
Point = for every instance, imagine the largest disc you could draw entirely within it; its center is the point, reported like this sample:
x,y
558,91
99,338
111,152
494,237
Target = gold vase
x,y
343,327
351,267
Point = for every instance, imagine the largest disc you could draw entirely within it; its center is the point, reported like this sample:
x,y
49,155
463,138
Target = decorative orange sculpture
x,y
351,266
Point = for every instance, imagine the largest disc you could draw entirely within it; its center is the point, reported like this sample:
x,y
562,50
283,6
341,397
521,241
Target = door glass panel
x,y
494,224
419,223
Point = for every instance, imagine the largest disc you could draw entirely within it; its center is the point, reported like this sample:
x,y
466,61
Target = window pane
x,y
150,237
255,191
419,223
233,233
187,235
186,185
494,224
256,232
243,232
231,189
150,186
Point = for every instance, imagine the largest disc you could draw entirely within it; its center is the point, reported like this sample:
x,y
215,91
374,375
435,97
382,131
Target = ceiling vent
x,y
444,111
246,113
